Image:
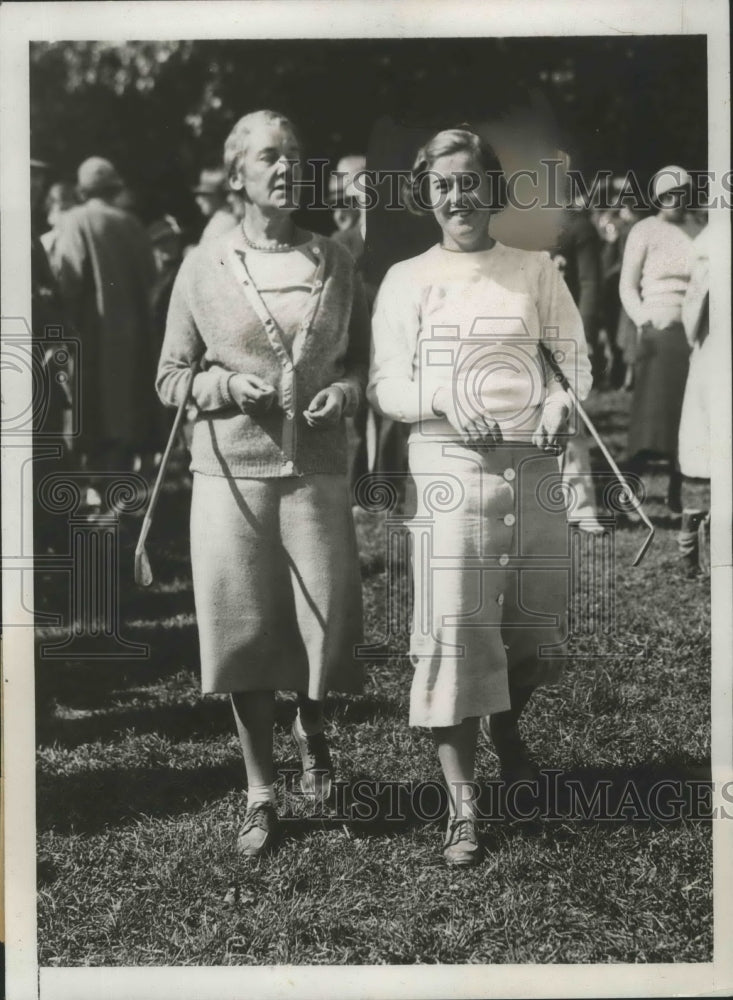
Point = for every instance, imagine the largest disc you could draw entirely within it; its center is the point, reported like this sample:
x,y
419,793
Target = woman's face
x,y
673,204
459,193
269,168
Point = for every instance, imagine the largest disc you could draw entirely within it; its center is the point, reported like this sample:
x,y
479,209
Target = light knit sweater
x,y
471,322
655,272
214,318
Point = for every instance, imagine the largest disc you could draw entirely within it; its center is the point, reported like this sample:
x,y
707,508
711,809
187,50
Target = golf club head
x,y
143,569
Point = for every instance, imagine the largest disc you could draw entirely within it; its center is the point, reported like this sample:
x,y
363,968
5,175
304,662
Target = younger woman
x,y
456,355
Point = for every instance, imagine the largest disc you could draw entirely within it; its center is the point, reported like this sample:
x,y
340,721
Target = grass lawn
x,y
141,788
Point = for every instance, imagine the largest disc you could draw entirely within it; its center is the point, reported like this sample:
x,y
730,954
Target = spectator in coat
x,y
106,274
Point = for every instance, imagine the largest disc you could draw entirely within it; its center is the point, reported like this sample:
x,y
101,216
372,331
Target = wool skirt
x,y
662,361
491,575
276,584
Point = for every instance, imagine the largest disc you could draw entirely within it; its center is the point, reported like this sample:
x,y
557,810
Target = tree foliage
x,y
160,110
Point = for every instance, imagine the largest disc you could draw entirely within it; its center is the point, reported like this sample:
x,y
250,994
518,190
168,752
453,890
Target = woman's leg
x,y
456,746
674,491
314,753
514,760
254,714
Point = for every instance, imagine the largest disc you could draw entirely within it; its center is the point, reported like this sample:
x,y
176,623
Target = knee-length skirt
x,y
491,578
276,584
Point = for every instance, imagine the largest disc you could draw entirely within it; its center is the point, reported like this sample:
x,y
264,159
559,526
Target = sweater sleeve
x,y
631,271
558,311
182,346
393,389
356,363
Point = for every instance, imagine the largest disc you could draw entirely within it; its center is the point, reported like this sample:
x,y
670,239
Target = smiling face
x,y
268,168
459,193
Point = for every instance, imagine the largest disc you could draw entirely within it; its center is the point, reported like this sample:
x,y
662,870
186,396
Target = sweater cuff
x,y
352,396
224,391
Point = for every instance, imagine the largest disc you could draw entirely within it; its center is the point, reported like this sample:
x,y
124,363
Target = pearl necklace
x,y
275,248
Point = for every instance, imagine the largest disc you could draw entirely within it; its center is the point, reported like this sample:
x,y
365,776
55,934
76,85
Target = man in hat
x,y
213,203
106,273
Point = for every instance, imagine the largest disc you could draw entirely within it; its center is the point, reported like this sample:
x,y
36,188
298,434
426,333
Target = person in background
x,y
613,226
694,438
625,218
389,436
212,199
127,200
106,273
577,257
654,277
53,418
167,241
347,206
60,198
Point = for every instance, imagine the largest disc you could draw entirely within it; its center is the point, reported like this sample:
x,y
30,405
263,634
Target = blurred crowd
x,y
640,285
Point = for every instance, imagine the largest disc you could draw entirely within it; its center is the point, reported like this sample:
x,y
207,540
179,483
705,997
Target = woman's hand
x,y
251,393
326,407
479,431
553,422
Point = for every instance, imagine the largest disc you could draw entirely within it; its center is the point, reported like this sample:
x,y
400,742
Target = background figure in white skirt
x,y
694,439
456,354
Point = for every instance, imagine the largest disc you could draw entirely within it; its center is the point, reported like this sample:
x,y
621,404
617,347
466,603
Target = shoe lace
x,y
461,830
255,817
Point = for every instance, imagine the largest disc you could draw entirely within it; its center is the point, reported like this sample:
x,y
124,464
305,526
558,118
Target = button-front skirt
x,y
491,574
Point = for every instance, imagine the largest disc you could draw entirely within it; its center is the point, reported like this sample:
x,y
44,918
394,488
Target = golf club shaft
x,y
147,521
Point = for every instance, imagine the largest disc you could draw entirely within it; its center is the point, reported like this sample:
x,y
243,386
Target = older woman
x,y
654,277
456,355
277,321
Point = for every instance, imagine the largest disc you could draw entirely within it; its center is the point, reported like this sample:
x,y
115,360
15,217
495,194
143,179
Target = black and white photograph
x,y
366,504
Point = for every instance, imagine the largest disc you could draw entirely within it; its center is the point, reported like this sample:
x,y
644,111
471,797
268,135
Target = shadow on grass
x,y
204,718
666,795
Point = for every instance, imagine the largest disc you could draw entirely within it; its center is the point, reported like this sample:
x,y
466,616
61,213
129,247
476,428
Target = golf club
x,y
143,569
633,499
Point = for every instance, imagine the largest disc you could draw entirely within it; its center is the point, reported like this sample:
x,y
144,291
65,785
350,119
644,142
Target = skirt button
x,y
509,475
509,520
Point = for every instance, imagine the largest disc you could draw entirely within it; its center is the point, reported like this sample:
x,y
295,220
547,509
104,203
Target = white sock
x,y
308,728
260,793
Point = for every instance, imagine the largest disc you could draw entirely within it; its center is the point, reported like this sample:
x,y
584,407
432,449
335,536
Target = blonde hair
x,y
452,140
236,142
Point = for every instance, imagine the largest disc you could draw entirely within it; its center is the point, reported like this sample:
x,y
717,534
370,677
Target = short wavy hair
x,y
453,140
236,142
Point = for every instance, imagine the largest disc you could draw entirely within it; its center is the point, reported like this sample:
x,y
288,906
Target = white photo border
x,y
23,23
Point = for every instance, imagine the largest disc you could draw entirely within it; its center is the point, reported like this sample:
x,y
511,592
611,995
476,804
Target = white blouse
x,y
471,322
